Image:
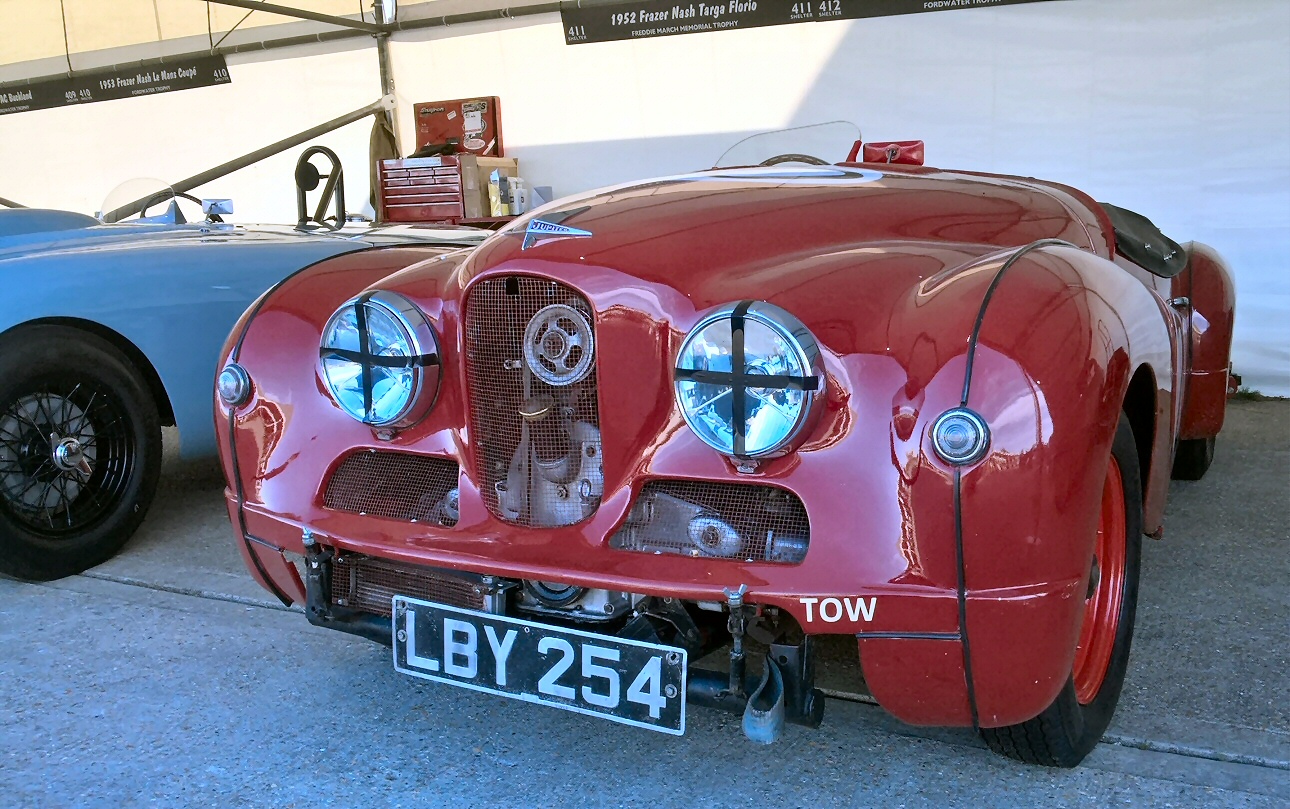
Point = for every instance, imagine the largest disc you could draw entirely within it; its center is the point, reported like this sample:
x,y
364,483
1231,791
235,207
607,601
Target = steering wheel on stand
x,y
307,178
792,157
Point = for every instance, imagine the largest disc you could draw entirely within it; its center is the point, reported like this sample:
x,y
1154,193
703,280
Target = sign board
x,y
644,19
147,78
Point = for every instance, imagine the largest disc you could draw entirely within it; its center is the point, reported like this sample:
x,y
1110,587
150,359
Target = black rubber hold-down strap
x,y
738,363
360,317
773,382
739,380
375,361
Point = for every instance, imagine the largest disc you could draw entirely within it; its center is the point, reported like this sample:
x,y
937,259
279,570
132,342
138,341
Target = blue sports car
x,y
108,332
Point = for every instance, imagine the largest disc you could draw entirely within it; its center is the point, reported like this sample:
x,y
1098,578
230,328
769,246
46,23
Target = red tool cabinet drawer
x,y
421,189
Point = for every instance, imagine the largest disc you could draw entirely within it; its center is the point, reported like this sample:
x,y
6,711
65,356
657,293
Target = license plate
x,y
626,681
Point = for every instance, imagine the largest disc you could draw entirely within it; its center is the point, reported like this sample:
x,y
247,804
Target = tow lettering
x,y
831,610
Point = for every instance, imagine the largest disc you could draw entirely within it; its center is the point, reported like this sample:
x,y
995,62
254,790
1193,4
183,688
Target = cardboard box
x,y
474,181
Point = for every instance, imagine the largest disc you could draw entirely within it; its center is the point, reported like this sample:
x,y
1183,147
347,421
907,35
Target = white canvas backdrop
x,y
1177,108
71,157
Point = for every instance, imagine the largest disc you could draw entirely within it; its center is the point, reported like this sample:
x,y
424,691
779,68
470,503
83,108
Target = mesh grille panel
x,y
716,520
395,485
367,584
500,383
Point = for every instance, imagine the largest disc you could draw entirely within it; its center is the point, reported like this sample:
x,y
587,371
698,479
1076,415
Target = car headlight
x,y
380,360
747,377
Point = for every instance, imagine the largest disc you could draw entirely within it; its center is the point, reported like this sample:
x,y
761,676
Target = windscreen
x,y
826,143
145,199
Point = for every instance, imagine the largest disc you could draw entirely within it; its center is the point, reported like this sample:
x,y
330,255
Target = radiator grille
x,y
501,384
368,585
398,485
716,520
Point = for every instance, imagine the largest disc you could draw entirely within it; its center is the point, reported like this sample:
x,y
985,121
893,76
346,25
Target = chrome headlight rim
x,y
423,357
798,340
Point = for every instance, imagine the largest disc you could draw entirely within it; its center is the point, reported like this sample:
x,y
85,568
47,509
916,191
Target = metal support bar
x,y
476,16
387,74
385,104
8,203
304,14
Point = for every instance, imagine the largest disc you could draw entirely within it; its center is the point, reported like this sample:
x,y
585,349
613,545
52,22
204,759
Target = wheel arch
x,y
138,360
1211,293
1139,407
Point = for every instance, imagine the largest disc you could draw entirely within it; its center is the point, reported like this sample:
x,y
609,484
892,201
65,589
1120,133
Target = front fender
x,y
295,302
1059,342
1208,284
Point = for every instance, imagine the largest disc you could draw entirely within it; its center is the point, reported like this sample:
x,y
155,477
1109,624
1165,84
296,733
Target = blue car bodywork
x,y
166,295
109,332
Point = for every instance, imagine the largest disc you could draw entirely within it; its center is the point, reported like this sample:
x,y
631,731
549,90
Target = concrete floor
x,y
168,676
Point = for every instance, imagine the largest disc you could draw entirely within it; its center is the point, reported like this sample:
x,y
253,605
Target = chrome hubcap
x,y
69,455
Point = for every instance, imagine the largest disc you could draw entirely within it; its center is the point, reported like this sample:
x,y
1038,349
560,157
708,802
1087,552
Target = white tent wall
x,y
71,157
1177,108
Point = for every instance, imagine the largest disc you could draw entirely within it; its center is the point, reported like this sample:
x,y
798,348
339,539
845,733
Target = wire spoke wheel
x,y
66,456
80,451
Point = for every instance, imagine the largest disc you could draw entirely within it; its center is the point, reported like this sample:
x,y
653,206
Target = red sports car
x,y
730,412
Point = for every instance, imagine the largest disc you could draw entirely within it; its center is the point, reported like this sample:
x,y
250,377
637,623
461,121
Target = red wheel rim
x,y
1102,609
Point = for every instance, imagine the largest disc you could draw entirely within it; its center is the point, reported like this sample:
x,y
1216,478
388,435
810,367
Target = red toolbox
x,y
421,189
475,123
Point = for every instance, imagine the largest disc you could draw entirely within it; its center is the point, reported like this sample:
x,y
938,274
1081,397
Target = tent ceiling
x,y
100,33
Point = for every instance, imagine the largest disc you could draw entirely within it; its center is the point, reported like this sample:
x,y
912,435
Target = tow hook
x,y
317,579
737,625
786,692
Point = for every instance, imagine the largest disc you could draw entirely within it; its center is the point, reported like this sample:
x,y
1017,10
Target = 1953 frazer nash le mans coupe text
x,y
742,408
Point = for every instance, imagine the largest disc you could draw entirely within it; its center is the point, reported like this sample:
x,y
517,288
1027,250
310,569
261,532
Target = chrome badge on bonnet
x,y
543,229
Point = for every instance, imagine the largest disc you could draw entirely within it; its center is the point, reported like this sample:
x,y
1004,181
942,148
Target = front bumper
x,y
911,651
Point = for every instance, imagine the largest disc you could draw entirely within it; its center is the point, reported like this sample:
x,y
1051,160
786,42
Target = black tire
x,y
1193,458
69,500
1067,731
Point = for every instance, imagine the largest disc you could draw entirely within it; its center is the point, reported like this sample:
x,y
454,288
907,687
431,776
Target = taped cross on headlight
x,y
738,379
366,360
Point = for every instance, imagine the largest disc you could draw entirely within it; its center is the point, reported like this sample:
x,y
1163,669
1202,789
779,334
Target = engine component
x,y
534,407
448,511
719,520
559,491
558,345
714,537
763,720
553,594
573,603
